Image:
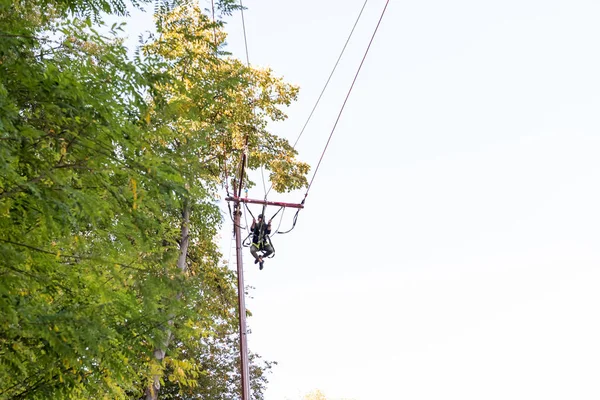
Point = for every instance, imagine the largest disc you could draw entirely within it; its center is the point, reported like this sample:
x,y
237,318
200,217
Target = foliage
x,y
215,356
217,104
99,160
76,259
315,395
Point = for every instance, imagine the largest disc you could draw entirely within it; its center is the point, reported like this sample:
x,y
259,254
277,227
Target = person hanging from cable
x,y
260,240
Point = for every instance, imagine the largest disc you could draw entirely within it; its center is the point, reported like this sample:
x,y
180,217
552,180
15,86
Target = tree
x,y
205,111
74,251
214,353
109,172
315,395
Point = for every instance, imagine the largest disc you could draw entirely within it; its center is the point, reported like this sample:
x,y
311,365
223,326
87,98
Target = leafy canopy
x,y
99,158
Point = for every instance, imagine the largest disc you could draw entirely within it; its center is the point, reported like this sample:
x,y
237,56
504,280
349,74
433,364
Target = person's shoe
x,y
261,265
256,261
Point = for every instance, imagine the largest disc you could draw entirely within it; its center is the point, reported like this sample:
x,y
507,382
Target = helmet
x,y
260,216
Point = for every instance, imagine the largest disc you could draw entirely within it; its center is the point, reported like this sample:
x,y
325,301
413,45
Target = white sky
x,y
449,247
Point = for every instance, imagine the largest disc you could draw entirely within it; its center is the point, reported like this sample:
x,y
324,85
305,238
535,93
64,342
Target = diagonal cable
x,y
328,80
346,99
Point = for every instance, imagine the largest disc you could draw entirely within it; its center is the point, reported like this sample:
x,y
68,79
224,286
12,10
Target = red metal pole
x,y
269,203
241,304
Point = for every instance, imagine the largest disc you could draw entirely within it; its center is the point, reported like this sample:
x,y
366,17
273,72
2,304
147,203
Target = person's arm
x,y
268,230
253,224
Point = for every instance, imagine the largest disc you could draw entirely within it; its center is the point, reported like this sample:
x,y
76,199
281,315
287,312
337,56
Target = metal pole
x,y
241,303
269,203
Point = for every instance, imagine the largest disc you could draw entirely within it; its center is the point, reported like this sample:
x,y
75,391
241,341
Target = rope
x,y
280,220
262,173
337,119
346,99
244,28
331,74
327,82
241,175
226,175
233,220
278,211
246,219
212,3
264,209
247,208
244,159
293,224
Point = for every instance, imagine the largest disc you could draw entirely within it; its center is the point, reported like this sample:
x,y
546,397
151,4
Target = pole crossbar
x,y
269,203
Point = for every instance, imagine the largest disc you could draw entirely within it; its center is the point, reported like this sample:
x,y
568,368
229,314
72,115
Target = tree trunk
x,y
185,237
159,354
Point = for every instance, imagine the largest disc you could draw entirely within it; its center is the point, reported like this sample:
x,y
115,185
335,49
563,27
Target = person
x,y
260,240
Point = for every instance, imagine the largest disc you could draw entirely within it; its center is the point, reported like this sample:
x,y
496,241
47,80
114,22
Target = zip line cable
x,y
212,3
346,99
339,114
244,158
327,82
262,173
331,74
244,28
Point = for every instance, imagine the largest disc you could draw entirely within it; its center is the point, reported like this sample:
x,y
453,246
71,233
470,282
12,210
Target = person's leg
x,y
254,251
268,250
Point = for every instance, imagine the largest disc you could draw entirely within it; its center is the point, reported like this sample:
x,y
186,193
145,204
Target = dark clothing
x,y
258,238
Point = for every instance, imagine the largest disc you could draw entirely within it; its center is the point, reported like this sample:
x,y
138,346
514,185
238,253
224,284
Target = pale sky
x,y
449,245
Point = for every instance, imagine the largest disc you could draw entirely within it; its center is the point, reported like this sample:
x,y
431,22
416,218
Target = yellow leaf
x,y
134,190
